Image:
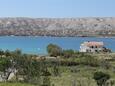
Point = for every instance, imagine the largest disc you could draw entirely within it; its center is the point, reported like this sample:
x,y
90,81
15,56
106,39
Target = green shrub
x,y
88,60
101,78
5,63
68,53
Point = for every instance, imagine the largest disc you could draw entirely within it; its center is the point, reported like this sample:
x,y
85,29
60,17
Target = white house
x,y
92,46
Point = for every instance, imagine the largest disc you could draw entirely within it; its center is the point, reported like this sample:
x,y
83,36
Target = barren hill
x,y
58,26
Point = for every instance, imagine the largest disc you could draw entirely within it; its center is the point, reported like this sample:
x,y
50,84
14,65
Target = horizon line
x,y
58,17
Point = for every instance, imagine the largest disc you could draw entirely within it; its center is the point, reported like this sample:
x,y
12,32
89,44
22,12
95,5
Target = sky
x,y
57,8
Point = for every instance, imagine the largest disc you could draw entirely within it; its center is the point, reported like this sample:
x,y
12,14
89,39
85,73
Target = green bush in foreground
x,y
68,53
4,64
101,78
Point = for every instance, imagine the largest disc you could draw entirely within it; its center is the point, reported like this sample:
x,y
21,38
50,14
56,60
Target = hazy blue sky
x,y
57,8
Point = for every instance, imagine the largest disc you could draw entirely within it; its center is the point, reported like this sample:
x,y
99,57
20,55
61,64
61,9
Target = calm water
x,y
37,45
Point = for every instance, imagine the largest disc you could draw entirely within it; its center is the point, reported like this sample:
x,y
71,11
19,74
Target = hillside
x,y
58,26
71,68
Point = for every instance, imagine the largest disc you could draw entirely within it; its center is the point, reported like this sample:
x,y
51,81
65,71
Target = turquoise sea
x,y
37,45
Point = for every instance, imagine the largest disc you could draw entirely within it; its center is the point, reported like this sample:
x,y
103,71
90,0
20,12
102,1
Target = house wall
x,y
84,48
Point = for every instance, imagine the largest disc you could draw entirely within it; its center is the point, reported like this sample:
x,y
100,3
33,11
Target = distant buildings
x,y
93,46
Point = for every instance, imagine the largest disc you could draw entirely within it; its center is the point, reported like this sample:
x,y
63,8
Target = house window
x,y
96,50
92,47
88,50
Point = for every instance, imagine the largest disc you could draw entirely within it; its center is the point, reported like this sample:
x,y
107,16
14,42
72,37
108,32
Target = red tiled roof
x,y
93,43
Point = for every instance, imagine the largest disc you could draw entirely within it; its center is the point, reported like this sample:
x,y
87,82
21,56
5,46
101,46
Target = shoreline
x,y
61,36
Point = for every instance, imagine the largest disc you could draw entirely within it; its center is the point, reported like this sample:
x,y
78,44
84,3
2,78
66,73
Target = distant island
x,y
59,27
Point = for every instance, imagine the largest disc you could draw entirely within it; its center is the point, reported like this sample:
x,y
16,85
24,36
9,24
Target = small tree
x,y
101,78
54,50
7,53
17,52
1,53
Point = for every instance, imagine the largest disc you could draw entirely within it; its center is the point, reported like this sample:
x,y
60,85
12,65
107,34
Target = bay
x,y
37,45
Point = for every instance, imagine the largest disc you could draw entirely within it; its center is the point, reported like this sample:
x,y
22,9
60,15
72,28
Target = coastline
x,y
60,36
